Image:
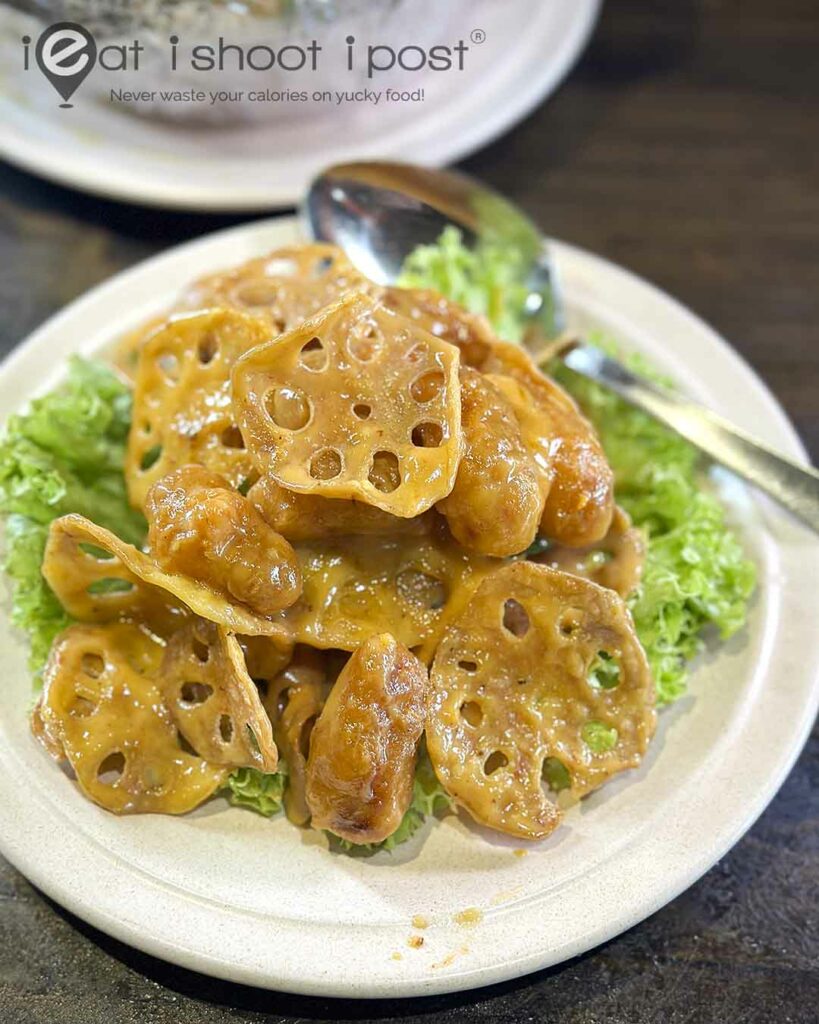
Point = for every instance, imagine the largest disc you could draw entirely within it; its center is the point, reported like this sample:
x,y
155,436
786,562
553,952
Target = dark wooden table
x,y
685,146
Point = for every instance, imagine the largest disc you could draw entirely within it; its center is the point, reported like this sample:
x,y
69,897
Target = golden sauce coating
x,y
409,586
470,333
213,700
182,406
302,517
356,403
103,710
497,502
294,700
99,578
615,562
540,678
364,746
284,287
199,527
580,503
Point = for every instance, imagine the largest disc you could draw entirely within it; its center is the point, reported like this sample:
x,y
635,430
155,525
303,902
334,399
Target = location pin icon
x,y
66,54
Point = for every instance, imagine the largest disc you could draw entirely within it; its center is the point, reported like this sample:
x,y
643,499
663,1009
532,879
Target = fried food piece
x,y
356,403
213,700
265,656
364,746
99,578
199,527
354,586
302,517
285,287
497,502
615,562
471,333
541,677
580,502
101,708
294,700
182,407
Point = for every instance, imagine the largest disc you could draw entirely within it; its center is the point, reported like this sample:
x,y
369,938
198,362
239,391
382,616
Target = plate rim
x,y
465,978
41,159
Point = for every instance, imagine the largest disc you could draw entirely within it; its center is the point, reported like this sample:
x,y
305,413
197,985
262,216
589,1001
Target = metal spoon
x,y
380,212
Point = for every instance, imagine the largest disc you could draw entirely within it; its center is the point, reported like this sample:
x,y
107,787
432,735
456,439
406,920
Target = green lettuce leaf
x,y
262,792
65,453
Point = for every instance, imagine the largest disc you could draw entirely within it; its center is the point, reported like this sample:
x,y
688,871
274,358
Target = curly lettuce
x,y
262,792
64,454
696,574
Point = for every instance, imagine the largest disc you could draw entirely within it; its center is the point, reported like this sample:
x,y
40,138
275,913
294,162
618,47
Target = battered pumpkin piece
x,y
615,562
409,586
356,403
199,527
497,502
541,677
294,700
300,517
364,746
284,288
213,700
99,578
182,407
103,710
580,501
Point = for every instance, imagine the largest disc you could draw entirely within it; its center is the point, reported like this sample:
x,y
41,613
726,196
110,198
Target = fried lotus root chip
x,y
200,527
471,333
294,700
310,517
615,562
214,701
182,405
355,403
541,677
99,578
364,746
580,501
354,586
104,709
285,287
496,504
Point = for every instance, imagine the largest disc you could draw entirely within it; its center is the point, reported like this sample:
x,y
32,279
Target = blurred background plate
x,y
245,156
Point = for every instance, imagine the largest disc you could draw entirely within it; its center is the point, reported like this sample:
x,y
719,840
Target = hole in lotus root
x,y
313,356
321,266
201,651
556,774
420,588
362,410
468,666
325,464
515,618
193,694
232,437
417,353
604,671
150,457
472,714
288,408
207,348
427,435
111,768
168,363
256,294
496,760
427,387
92,664
109,585
385,473
226,728
570,622
365,341
81,707
100,554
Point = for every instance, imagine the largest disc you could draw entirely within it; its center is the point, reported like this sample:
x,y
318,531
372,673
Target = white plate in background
x,y
228,893
530,46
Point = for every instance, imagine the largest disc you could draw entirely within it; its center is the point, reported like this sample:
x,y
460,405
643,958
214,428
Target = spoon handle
x,y
795,487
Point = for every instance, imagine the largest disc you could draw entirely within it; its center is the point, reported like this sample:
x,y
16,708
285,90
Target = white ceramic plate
x,y
228,893
530,46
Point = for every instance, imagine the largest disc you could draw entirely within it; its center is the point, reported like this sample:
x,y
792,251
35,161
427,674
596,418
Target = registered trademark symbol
x,y
477,35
